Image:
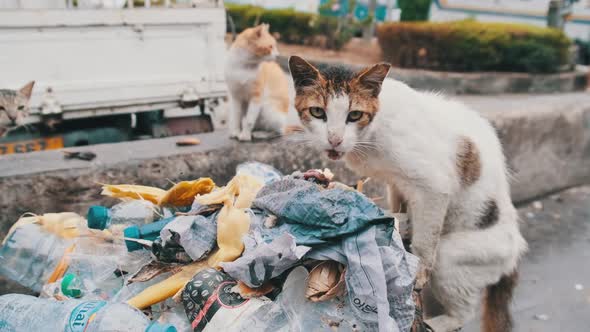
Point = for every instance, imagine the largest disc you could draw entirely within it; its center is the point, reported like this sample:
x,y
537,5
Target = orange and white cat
x,y
258,87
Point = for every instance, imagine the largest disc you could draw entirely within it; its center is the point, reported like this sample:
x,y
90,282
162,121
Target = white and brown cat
x,y
258,87
14,107
447,164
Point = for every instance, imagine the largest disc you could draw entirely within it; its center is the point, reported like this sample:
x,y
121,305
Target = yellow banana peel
x,y
181,194
233,222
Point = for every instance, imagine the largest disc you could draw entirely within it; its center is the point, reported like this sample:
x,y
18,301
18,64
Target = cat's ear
x,y
372,78
27,90
303,72
261,28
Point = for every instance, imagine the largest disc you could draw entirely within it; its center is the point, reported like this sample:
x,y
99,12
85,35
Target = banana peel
x,y
129,191
181,194
184,192
233,222
244,186
232,225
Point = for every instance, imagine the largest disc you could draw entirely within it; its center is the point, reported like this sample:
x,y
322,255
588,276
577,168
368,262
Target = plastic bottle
x,y
144,232
27,313
291,311
134,212
177,317
32,257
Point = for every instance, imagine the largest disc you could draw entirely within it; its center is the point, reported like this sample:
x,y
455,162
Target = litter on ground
x,y
265,252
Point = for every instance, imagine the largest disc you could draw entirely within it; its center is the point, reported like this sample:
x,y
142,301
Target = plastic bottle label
x,y
83,315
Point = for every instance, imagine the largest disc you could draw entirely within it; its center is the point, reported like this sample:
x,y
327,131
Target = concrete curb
x,y
481,83
546,140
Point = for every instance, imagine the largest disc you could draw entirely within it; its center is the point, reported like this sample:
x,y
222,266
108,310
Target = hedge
x,y
292,26
473,46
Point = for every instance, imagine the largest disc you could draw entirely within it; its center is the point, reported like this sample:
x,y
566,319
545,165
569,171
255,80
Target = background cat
x,y
258,87
14,107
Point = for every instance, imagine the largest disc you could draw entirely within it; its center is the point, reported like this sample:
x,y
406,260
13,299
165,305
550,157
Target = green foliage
x,y
473,46
292,26
414,10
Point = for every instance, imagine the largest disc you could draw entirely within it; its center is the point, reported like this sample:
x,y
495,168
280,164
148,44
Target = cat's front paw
x,y
234,134
245,136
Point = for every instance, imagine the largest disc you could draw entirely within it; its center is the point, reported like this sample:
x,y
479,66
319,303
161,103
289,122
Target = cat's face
x,y
335,105
258,42
14,107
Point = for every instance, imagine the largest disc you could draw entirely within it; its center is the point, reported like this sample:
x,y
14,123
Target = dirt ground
x,y
357,51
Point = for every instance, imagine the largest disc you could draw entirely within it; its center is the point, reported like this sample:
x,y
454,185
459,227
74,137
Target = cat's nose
x,y
335,141
12,120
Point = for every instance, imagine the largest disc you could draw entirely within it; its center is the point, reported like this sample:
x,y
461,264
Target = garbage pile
x,y
265,252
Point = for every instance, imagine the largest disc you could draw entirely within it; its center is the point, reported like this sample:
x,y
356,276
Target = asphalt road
x,y
554,289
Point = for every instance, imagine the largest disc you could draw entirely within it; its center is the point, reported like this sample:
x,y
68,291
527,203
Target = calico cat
x,y
444,161
258,87
14,107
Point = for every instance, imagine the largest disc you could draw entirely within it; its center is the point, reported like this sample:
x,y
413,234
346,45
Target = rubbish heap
x,y
265,252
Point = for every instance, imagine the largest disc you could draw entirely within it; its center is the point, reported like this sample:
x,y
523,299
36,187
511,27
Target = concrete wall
x,y
546,139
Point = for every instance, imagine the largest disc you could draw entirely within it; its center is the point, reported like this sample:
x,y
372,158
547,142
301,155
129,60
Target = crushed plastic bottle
x,y
133,212
263,172
27,313
32,257
176,317
291,311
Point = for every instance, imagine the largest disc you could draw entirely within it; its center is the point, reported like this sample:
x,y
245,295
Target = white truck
x,y
109,70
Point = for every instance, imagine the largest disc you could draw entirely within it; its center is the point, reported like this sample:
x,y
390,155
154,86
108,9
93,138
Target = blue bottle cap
x,y
160,327
98,217
134,233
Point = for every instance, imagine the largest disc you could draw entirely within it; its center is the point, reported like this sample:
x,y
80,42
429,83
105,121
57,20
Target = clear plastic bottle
x,y
133,212
30,256
27,313
177,317
291,311
33,257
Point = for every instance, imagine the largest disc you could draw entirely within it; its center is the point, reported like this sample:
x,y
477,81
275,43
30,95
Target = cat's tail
x,y
496,306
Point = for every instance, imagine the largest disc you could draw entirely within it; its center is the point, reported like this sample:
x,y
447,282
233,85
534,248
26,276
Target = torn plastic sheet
x,y
266,261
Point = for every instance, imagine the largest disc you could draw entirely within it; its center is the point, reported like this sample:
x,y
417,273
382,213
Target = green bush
x,y
292,26
473,46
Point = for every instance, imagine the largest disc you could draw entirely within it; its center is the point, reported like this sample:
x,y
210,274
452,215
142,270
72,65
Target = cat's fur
x,y
14,107
447,164
258,88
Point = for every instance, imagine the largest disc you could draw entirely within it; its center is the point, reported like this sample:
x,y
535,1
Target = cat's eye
x,y
354,116
317,112
21,107
2,108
